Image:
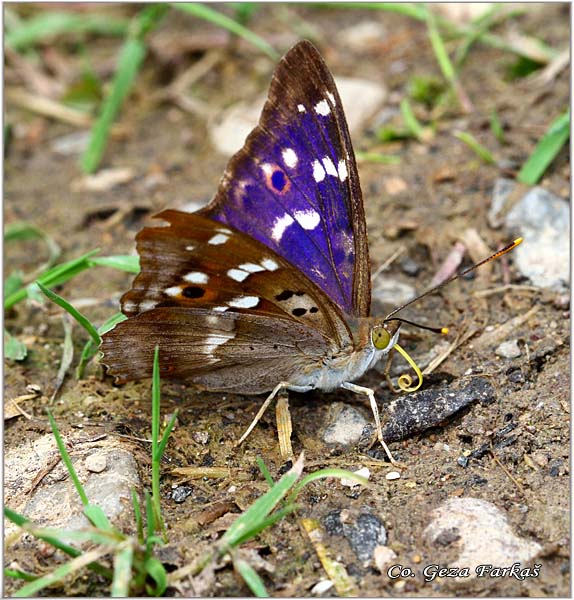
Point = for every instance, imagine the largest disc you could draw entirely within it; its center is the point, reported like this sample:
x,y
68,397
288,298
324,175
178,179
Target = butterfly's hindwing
x,y
294,185
229,351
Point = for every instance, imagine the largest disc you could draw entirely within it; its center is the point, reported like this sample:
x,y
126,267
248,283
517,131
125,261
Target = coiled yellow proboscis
x,y
405,380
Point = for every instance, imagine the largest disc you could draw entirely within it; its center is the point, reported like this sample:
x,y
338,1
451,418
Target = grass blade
x,y
138,516
323,474
251,578
207,13
53,277
165,436
156,571
496,127
265,471
47,26
258,511
22,231
67,460
32,588
128,263
24,522
377,158
123,560
412,123
78,316
131,58
17,574
155,422
480,150
546,150
14,349
90,348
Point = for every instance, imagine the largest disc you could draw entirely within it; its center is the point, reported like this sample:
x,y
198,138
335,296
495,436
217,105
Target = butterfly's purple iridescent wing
x,y
294,185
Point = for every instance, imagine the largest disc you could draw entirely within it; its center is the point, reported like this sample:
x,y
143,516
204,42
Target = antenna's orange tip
x,y
444,330
518,241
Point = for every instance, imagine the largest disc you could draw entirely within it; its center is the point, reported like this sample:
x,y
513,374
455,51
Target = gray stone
x,y
502,189
347,427
363,531
482,535
543,220
53,501
392,292
509,349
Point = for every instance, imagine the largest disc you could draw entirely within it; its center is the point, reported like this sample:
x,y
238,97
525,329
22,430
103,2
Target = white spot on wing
x,y
330,167
343,173
196,277
173,291
308,219
301,108
267,169
218,239
224,230
270,264
216,339
331,98
146,305
220,308
244,302
290,158
190,248
318,171
280,226
251,267
322,108
237,274
128,306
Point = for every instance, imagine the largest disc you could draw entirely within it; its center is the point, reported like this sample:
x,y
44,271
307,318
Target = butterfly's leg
x,y
359,389
280,386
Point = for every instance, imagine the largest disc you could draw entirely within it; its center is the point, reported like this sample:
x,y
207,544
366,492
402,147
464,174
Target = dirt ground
x,y
447,190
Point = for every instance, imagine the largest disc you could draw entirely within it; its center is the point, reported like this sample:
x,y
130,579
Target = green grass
x,y
46,26
276,504
134,570
546,150
481,151
205,12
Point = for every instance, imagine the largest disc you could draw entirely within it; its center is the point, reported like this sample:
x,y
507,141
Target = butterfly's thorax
x,y
347,363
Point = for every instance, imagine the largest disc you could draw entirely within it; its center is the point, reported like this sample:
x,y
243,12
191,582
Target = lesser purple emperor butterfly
x,y
269,286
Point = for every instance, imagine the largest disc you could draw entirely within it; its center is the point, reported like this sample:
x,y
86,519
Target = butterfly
x,y
268,287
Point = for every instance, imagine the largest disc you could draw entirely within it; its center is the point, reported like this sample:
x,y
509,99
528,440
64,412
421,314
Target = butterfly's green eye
x,y
381,338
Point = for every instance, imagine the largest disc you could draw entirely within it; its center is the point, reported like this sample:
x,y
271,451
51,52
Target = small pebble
x,y
96,463
321,587
383,555
201,437
508,349
364,472
392,475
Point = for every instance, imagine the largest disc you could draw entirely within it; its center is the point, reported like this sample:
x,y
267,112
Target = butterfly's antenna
x,y
443,330
494,256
